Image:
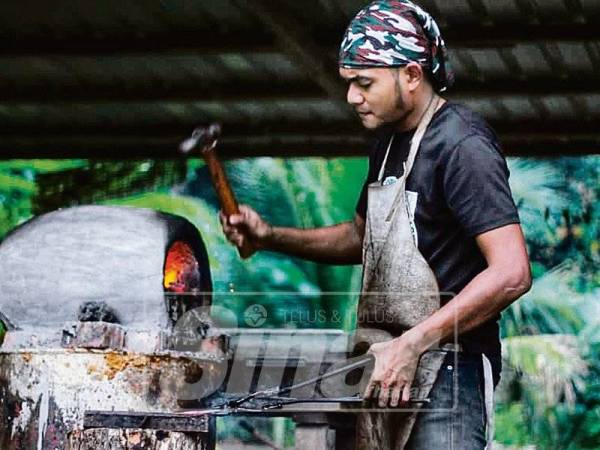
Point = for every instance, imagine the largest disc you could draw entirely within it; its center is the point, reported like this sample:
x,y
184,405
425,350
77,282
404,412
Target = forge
x,y
110,340
90,296
53,264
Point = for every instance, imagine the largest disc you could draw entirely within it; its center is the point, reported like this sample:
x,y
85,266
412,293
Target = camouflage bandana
x,y
394,33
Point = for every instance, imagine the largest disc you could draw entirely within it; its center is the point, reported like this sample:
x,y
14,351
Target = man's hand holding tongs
x,y
395,367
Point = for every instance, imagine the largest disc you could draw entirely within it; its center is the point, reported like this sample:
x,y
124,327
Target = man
x,y
435,212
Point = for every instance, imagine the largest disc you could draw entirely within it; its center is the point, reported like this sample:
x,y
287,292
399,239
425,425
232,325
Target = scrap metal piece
x,y
98,335
147,420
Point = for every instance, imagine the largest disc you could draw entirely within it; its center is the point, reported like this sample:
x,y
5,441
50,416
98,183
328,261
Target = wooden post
x,y
314,437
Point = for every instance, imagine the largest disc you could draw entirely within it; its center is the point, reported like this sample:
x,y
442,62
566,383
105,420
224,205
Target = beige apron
x,y
399,290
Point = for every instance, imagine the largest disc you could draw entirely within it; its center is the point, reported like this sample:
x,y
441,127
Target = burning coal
x,y
182,273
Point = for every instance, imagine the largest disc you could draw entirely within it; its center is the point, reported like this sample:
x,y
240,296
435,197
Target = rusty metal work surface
x,y
44,393
133,439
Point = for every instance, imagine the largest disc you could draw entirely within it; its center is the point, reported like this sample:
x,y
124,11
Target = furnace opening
x,y
182,272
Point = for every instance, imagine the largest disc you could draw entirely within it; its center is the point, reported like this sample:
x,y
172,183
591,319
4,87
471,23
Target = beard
x,y
395,118
400,105
395,115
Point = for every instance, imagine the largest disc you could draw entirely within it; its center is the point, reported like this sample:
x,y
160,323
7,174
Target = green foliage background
x,y
550,392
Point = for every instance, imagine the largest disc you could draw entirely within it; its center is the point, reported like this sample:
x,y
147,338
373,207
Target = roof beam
x,y
468,62
550,145
512,64
540,108
308,128
579,107
171,44
296,43
538,86
203,43
471,88
502,109
142,146
554,58
102,94
593,51
278,145
474,36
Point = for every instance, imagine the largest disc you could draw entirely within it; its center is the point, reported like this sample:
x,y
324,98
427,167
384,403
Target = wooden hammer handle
x,y
226,197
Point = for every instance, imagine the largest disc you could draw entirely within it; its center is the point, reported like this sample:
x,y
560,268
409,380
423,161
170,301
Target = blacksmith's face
x,y
377,95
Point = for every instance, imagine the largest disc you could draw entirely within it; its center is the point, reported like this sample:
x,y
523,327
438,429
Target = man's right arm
x,y
336,244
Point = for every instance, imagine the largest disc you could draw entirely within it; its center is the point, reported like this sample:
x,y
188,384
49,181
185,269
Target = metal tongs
x,y
274,395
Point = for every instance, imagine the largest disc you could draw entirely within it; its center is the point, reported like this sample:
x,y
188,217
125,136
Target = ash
x,y
97,312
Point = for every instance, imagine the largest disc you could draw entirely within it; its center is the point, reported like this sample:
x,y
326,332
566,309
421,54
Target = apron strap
x,y
414,147
489,401
387,152
421,129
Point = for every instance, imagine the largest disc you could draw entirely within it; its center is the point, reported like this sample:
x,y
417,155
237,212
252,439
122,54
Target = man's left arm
x,y
506,278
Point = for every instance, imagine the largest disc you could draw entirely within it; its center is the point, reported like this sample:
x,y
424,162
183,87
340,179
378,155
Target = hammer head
x,y
206,137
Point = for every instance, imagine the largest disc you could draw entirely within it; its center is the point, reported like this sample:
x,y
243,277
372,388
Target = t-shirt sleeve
x,y
476,186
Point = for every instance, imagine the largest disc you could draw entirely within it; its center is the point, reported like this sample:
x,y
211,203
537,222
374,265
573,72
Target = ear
x,y
414,76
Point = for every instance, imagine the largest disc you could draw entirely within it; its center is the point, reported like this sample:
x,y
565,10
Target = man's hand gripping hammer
x,y
206,138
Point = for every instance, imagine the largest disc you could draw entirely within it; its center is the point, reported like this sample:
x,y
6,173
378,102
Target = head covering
x,y
393,33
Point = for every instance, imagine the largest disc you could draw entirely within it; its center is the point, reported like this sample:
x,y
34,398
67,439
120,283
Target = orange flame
x,y
181,268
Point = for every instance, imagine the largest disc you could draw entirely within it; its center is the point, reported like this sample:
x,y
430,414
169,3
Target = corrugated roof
x,y
128,78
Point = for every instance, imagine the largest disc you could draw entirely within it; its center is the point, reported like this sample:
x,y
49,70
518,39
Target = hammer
x,y
206,138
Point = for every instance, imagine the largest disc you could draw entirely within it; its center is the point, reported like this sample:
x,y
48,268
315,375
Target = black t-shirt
x,y
458,188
